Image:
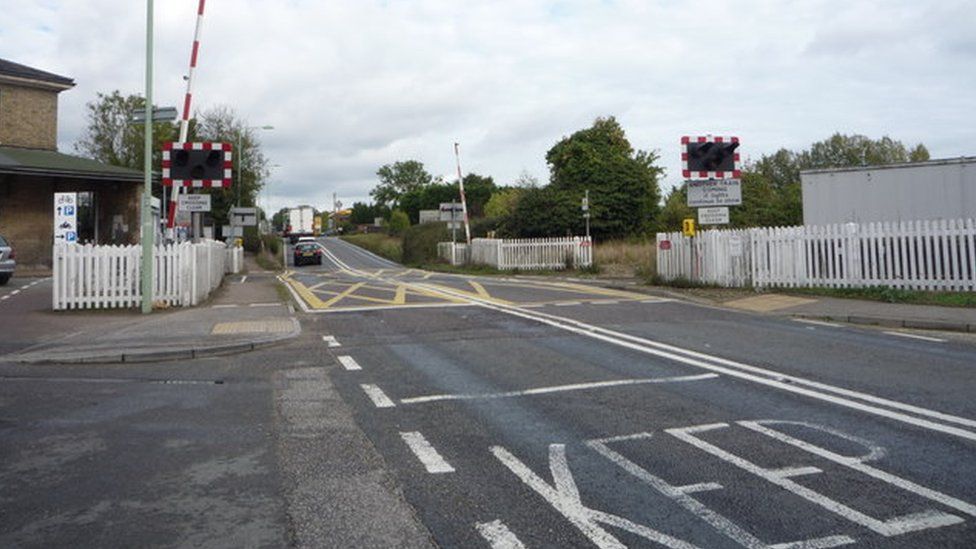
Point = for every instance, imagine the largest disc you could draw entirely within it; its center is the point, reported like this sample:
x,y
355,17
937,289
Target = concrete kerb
x,y
915,324
156,355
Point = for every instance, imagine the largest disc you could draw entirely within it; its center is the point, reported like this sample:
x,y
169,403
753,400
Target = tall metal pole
x,y
464,203
148,231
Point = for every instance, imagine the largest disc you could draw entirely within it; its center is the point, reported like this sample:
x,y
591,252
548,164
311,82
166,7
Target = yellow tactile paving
x,y
275,326
767,303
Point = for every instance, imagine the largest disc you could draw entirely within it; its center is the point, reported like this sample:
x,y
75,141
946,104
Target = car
x,y
8,261
307,252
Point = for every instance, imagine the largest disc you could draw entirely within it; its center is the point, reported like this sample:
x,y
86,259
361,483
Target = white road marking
x,y
892,527
790,472
15,292
564,497
770,378
25,286
426,453
349,363
5,297
498,535
556,389
915,336
379,398
243,279
658,300
567,303
605,302
681,496
226,306
331,341
817,322
857,464
264,304
291,308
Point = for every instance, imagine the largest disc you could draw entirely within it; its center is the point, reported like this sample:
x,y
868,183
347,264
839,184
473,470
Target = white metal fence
x,y
455,253
101,277
919,255
526,253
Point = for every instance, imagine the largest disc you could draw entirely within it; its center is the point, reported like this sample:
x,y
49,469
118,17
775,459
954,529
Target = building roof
x,y
900,165
41,162
17,73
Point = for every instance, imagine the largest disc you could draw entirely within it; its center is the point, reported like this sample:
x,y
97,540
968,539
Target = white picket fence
x,y
917,255
526,253
102,277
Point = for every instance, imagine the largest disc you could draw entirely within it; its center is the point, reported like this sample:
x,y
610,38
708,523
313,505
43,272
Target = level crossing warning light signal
x,y
197,164
707,157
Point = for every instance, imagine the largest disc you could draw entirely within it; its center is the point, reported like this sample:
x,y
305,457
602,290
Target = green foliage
x,y
477,190
366,214
675,210
252,240
112,138
380,244
398,179
399,222
623,182
502,204
545,212
272,243
420,242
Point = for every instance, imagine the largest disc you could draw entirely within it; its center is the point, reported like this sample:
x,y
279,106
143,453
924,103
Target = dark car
x,y
7,262
307,252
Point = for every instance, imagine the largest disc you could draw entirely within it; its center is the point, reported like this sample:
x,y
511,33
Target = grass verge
x,y
390,247
892,295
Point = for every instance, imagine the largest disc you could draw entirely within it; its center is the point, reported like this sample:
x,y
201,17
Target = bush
x,y
399,222
252,240
272,243
420,242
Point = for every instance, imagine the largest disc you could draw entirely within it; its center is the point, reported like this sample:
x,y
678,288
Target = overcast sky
x,y
350,85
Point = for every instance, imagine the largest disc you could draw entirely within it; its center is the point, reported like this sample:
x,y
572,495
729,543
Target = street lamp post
x,y
240,155
148,232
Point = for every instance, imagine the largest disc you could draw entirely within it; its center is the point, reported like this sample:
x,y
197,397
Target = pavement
x,y
245,313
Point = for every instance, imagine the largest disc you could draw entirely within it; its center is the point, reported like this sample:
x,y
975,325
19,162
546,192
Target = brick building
x,y
32,170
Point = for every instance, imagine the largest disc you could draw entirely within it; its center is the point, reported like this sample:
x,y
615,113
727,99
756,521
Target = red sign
x,y
665,245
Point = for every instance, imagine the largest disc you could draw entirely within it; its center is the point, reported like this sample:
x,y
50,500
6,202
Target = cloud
x,y
352,85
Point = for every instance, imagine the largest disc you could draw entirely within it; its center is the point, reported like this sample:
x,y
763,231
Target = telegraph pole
x,y
464,203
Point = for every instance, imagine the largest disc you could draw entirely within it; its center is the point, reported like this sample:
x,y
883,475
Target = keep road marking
x,y
913,336
349,363
426,453
379,398
498,535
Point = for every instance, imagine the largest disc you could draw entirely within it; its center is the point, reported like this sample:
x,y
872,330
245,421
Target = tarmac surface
x,y
418,409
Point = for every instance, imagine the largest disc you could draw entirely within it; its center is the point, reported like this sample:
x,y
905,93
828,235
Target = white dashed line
x,y
243,279
426,453
558,388
605,302
567,304
15,292
331,341
913,336
349,363
5,297
377,395
817,322
498,535
264,304
225,306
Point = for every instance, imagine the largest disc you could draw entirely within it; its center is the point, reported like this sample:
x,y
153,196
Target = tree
x,y
623,182
221,124
399,222
675,210
502,203
366,214
545,212
398,179
279,219
111,137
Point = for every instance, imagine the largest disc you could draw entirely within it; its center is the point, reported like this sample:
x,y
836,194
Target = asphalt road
x,y
597,421
423,409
